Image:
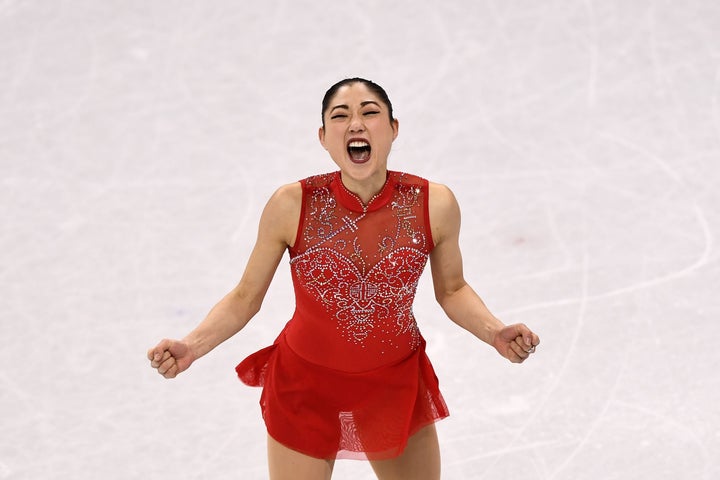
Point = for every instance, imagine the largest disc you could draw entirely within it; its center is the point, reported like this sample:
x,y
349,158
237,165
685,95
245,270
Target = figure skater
x,y
348,376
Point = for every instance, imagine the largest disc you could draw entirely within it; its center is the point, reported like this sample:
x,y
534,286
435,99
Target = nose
x,y
356,124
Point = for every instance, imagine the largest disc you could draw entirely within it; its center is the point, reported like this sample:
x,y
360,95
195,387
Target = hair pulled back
x,y
372,86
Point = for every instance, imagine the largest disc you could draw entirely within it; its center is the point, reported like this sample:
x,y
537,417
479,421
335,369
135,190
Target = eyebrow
x,y
362,104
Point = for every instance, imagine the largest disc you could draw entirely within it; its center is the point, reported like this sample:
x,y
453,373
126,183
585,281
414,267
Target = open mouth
x,y
359,151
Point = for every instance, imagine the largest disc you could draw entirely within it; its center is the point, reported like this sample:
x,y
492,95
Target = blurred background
x,y
140,140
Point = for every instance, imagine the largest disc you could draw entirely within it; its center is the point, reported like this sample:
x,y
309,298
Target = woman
x,y
348,376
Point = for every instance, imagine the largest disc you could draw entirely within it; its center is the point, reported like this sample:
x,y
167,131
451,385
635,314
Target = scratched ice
x,y
139,142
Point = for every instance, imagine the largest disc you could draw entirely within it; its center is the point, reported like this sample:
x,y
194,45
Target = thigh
x,y
287,464
420,460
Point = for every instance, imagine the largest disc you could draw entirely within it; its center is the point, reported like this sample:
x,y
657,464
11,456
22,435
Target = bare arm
x,y
457,298
277,229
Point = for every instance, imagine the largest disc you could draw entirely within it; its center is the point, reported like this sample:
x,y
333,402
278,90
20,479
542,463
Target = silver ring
x,y
532,349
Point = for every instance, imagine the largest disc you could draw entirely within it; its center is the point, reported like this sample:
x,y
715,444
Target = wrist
x,y
194,347
493,331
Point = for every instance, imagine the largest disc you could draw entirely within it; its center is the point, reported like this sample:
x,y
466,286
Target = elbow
x,y
445,295
252,306
442,297
247,301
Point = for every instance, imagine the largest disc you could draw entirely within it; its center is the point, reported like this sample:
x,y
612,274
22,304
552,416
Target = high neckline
x,y
353,202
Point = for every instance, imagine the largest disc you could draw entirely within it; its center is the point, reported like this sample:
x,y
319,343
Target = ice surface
x,y
139,141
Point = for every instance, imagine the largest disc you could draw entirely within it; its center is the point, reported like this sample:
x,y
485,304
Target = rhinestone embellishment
x,y
363,267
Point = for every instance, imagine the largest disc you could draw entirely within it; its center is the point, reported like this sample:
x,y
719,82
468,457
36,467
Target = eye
x,y
338,115
371,112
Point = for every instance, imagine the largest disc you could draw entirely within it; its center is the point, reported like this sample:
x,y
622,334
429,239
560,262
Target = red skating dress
x,y
348,376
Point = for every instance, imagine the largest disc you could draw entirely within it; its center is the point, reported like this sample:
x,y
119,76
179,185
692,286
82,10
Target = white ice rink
x,y
139,141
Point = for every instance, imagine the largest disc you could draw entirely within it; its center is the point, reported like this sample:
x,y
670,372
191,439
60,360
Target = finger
x,y
530,338
517,348
157,351
527,339
518,330
534,342
526,336
524,345
166,365
526,351
162,348
156,363
172,372
516,358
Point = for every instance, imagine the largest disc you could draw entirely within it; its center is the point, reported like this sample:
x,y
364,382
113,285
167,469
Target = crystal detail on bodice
x,y
363,265
380,299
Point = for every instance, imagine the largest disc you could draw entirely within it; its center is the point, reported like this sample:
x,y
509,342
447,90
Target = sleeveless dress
x,y
348,376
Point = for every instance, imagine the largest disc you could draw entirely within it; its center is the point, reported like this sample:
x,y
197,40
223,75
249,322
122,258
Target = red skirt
x,y
327,413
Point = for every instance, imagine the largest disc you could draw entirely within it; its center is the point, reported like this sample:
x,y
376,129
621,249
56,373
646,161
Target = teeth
x,y
358,144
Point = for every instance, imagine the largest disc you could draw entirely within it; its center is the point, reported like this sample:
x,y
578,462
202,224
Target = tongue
x,y
359,154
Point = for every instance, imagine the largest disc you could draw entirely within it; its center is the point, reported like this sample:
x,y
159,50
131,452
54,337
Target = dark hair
x,y
372,86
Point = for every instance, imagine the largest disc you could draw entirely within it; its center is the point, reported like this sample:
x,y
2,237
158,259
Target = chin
x,y
367,168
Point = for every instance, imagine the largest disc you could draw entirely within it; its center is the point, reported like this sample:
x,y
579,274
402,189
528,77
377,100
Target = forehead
x,y
355,94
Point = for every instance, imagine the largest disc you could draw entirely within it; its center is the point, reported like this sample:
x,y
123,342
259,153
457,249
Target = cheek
x,y
337,147
333,139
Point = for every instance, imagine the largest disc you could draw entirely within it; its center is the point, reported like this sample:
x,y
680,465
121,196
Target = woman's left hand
x,y
516,342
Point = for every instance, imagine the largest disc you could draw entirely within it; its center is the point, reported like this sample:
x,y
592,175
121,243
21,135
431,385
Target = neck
x,y
365,189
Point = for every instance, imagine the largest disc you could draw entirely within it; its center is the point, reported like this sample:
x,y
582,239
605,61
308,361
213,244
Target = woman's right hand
x,y
170,357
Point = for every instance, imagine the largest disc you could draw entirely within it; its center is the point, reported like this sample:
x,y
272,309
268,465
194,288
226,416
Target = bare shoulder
x,y
282,213
444,212
441,196
287,197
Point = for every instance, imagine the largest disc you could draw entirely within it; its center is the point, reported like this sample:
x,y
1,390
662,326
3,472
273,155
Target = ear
x,y
396,128
321,136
